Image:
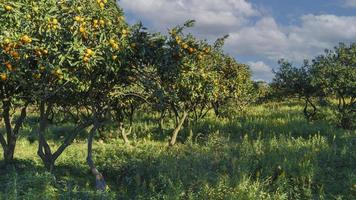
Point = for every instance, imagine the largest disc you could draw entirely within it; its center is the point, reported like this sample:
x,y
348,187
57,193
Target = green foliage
x,y
270,152
77,64
330,76
335,73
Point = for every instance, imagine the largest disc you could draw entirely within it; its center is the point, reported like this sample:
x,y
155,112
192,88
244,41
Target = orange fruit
x,y
89,52
86,59
82,29
8,8
26,39
9,66
3,76
77,18
102,5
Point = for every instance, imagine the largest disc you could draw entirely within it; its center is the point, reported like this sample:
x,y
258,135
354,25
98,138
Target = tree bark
x,y
176,131
161,121
216,106
44,151
123,133
9,144
70,138
99,178
308,115
176,114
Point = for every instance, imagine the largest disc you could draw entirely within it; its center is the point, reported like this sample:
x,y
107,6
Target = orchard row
x,y
82,60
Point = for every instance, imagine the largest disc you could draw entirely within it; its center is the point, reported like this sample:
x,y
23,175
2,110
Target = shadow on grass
x,y
298,168
23,179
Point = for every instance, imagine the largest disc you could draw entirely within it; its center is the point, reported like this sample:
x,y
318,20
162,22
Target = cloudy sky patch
x,y
261,32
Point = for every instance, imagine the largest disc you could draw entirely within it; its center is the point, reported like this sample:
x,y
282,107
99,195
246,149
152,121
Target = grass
x,y
270,152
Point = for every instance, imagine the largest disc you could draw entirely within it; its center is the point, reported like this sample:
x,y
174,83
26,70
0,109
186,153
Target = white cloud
x,y
214,17
350,3
263,38
261,71
267,39
253,33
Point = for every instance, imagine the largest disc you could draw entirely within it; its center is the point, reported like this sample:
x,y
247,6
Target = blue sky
x,y
261,31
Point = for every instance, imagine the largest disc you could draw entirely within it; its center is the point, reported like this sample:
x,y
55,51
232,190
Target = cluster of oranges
x,y
101,3
205,51
191,50
25,39
114,44
79,19
98,23
10,49
88,54
40,52
58,73
184,45
53,24
82,25
9,67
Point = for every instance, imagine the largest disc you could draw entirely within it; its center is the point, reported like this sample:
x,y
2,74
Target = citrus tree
x,y
234,81
262,91
74,51
335,74
188,79
293,81
16,76
137,88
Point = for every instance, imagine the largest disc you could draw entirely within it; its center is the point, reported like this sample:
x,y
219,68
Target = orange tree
x,y
15,79
293,81
334,73
188,79
234,79
74,51
135,85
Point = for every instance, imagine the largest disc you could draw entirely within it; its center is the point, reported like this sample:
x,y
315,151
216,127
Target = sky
x,y
260,31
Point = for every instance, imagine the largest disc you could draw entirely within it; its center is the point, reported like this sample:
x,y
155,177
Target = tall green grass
x,y
269,152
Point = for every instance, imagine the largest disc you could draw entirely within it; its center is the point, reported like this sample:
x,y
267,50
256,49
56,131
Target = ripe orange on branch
x,y
9,66
8,8
25,39
3,76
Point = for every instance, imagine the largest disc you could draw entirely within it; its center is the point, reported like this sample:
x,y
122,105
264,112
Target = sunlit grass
x,y
270,152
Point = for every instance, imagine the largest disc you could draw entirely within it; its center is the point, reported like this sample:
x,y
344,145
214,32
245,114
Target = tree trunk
x,y
9,144
177,129
176,114
161,122
190,128
44,150
124,134
10,151
215,106
99,179
309,115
